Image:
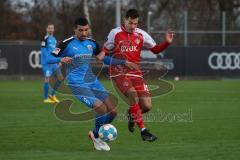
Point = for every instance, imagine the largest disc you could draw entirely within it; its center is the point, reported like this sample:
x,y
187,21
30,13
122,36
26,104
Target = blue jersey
x,y
81,79
79,71
48,44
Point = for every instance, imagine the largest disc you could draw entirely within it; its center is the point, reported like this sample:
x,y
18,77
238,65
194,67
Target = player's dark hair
x,y
49,24
82,21
132,13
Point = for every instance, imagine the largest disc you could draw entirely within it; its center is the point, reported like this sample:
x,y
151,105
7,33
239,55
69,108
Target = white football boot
x,y
98,143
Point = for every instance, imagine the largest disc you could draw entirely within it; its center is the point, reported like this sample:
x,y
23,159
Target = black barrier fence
x,y
20,58
205,61
24,59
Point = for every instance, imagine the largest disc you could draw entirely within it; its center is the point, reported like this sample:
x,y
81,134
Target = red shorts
x,y
125,83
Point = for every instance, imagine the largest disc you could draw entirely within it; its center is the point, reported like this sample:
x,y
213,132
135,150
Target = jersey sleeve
x,y
61,48
95,45
96,50
148,41
56,54
44,42
109,44
51,59
109,60
44,50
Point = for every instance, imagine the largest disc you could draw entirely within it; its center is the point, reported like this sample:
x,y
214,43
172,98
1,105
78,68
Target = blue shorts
x,y
51,70
89,93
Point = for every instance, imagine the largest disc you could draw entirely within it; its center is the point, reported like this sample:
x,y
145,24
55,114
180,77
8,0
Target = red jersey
x,y
127,46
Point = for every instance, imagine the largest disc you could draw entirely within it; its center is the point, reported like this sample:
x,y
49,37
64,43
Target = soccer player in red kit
x,y
126,42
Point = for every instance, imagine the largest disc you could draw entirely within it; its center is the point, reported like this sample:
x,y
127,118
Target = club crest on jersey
x,y
56,51
89,47
137,41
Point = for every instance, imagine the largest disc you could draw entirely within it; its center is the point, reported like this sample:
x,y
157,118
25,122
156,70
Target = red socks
x,y
136,114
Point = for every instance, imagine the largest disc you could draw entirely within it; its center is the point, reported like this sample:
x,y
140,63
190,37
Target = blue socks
x,y
109,118
101,120
45,88
55,87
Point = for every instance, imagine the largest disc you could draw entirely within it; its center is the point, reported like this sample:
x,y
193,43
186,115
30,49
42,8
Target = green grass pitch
x,y
199,120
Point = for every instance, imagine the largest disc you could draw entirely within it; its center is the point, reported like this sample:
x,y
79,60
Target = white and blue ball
x,y
107,132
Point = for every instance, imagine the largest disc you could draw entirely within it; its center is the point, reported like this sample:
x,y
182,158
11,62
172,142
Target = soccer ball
x,y
107,132
176,78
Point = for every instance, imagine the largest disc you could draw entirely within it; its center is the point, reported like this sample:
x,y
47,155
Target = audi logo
x,y
34,59
224,61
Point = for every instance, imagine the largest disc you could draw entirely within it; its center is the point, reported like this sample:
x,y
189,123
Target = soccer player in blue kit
x,y
48,44
77,52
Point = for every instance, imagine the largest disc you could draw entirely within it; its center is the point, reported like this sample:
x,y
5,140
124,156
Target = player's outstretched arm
x,y
52,59
66,60
100,55
108,60
113,61
162,46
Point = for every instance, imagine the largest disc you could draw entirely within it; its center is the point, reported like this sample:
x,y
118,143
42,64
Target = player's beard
x,y
50,33
83,38
130,30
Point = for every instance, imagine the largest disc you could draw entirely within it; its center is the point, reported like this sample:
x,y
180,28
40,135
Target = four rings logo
x,y
34,59
224,61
